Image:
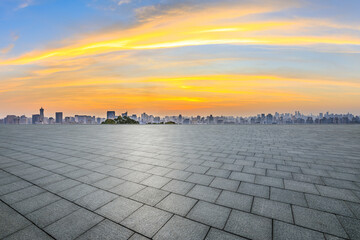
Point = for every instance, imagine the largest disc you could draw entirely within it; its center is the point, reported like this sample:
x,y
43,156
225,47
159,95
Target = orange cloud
x,y
216,25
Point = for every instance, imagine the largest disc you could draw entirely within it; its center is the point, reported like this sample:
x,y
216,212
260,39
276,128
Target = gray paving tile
x,y
147,220
235,200
61,185
244,177
340,183
156,181
119,209
307,178
300,186
253,170
269,181
177,204
48,180
107,230
218,172
77,192
182,228
161,171
204,193
338,193
355,208
227,184
331,237
232,167
285,231
209,214
328,205
10,221
197,169
278,174
249,225
215,234
127,189
254,190
108,183
21,194
288,196
150,196
352,226
96,199
272,209
91,178
8,179
179,187
200,179
30,232
317,220
136,176
31,204
12,187
138,237
178,174
52,212
73,225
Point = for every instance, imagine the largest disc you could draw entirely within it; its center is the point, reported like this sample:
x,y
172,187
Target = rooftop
x,y
180,182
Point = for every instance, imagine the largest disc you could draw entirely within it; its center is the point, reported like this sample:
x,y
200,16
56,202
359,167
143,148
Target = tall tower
x,y
41,115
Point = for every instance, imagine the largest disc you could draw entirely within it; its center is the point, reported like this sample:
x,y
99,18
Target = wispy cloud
x,y
7,49
121,2
25,4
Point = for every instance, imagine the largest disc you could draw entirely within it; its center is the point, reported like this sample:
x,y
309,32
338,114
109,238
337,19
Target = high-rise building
x,y
110,114
41,115
23,119
51,120
35,118
11,119
59,117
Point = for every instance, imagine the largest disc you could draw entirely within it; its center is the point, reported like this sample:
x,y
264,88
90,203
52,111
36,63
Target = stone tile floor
x,y
180,182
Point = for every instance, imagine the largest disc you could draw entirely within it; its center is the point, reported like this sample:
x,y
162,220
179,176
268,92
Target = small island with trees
x,y
120,120
127,120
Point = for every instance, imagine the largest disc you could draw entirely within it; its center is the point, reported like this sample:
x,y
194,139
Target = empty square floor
x,y
180,182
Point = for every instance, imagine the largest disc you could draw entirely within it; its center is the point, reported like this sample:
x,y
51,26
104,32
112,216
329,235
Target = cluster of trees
x,y
120,120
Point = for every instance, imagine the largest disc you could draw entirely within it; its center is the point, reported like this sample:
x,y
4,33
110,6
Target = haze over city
x,y
170,57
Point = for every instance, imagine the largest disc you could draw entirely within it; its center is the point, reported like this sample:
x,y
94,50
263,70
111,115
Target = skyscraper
x,y
110,114
41,115
59,117
35,118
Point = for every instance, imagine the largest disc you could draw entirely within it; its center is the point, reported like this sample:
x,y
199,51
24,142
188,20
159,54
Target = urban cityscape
x,y
144,118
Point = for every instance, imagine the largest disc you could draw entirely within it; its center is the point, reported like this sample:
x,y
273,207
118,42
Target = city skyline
x,y
194,57
145,118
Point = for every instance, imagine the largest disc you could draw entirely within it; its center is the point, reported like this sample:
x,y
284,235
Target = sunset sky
x,y
167,57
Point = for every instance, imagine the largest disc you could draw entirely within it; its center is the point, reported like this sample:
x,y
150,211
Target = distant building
x,y
84,119
110,114
35,118
59,117
11,119
51,120
23,119
125,114
180,119
41,116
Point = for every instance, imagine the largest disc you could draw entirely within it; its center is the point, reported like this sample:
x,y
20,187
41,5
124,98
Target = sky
x,y
165,57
